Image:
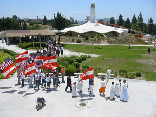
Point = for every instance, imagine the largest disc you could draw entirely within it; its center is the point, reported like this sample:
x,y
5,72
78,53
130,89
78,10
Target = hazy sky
x,y
78,9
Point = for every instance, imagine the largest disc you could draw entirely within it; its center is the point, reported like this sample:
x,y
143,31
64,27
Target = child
x,y
112,91
103,86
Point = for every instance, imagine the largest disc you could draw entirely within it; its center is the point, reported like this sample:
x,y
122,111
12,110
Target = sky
x,y
78,9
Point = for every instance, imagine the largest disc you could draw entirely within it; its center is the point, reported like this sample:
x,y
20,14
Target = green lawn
x,y
128,59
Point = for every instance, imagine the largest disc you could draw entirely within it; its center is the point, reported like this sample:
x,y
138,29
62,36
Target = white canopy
x,y
95,27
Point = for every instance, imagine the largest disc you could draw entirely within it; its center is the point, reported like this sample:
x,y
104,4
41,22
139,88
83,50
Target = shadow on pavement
x,y
5,87
11,91
21,92
28,94
86,99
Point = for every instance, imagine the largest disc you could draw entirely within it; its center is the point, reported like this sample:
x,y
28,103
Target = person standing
x,y
58,51
117,88
74,93
48,79
112,91
30,78
153,47
68,83
79,85
37,80
54,80
63,74
103,86
124,94
91,83
148,50
22,78
43,78
61,50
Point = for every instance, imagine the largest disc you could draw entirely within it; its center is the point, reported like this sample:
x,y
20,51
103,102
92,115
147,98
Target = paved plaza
x,y
16,101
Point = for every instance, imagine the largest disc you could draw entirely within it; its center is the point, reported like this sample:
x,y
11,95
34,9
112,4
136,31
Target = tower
x,y
92,13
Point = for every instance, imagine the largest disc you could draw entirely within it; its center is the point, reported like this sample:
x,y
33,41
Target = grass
x,y
128,58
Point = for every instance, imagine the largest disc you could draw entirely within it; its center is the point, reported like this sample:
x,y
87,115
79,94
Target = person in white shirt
x,y
118,88
43,78
112,91
103,86
79,85
22,78
37,80
48,79
61,50
74,93
124,94
30,78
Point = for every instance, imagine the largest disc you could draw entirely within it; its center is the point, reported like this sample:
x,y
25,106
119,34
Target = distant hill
x,y
81,22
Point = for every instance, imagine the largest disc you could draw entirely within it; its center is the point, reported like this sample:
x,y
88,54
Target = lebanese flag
x,y
51,60
29,69
23,55
9,70
50,66
20,58
88,74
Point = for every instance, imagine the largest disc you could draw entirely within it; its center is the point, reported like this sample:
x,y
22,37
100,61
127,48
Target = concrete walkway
x,y
16,101
19,50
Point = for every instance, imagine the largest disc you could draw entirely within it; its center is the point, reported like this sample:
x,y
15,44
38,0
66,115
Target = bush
x,y
78,41
97,69
84,57
2,77
78,59
70,70
30,44
65,63
76,64
138,74
71,60
85,67
89,56
73,40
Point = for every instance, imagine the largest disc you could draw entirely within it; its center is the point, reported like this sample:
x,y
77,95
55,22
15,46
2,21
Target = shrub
x,y
78,41
97,69
70,70
138,74
2,77
65,63
73,40
85,67
71,60
76,64
84,57
78,59
89,56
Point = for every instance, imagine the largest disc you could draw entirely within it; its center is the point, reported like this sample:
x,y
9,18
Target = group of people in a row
x,y
117,90
45,80
40,78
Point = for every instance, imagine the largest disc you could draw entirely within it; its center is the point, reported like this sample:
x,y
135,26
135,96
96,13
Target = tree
x,y
44,20
134,20
140,21
59,23
128,23
112,20
120,21
24,26
87,18
98,37
150,25
14,17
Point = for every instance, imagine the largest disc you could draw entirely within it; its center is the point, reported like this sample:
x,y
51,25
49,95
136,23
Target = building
x,y
92,27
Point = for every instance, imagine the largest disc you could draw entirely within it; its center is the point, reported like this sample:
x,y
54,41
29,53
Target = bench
x,y
104,74
78,74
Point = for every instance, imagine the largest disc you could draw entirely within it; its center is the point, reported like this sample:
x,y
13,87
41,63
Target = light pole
x,y
92,54
117,57
40,40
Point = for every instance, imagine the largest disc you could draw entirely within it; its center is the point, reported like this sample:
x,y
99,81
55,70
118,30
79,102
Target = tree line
x,y
136,24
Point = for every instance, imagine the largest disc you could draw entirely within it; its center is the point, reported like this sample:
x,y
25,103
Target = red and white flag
x,y
22,55
20,58
6,63
50,66
9,70
29,69
88,74
51,60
